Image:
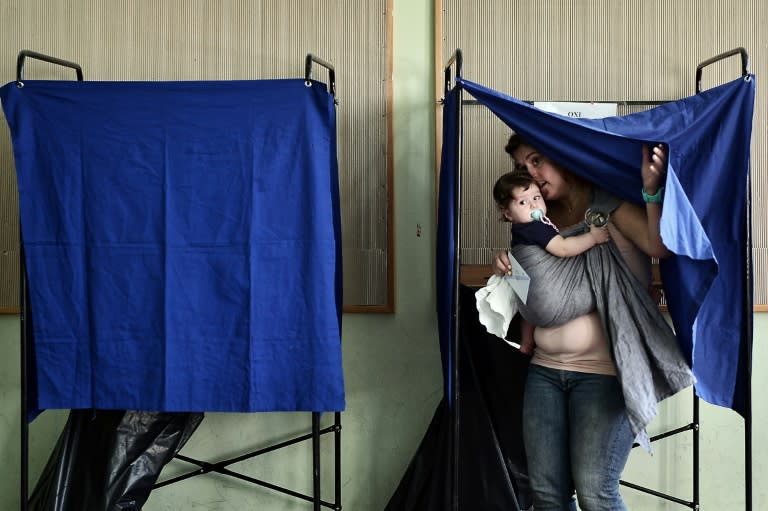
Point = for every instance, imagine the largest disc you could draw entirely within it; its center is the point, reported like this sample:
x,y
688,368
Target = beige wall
x,y
600,50
227,40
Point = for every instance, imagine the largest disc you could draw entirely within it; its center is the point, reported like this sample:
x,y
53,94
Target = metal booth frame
x,y
456,61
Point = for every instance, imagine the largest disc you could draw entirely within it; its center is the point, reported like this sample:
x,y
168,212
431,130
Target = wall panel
x,y
601,50
223,40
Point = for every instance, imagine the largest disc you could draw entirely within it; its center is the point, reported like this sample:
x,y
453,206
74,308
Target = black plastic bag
x,y
492,471
109,460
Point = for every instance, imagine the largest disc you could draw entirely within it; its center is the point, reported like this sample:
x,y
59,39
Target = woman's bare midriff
x,y
581,344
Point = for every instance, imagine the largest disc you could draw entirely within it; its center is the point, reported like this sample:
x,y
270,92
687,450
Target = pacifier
x,y
537,214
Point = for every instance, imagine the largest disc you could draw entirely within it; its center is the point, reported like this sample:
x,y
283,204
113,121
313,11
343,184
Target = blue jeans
x,y
576,434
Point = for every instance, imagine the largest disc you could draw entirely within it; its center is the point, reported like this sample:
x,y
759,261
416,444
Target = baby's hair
x,y
502,190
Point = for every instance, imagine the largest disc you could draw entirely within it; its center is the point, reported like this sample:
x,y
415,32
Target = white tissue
x,y
497,301
496,305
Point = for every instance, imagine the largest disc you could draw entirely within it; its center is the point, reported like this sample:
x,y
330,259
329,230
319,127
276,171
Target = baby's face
x,y
519,208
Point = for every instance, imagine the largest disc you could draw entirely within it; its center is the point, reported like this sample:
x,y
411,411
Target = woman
x,y
575,429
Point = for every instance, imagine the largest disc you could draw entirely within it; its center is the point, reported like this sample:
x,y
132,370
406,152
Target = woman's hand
x,y
642,224
501,264
654,167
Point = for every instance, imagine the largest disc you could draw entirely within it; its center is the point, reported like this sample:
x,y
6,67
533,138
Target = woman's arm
x,y
642,225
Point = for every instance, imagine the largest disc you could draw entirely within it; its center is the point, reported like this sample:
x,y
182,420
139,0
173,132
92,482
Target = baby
x,y
520,202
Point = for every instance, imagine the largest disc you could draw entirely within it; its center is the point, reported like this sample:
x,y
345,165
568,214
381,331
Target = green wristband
x,y
656,197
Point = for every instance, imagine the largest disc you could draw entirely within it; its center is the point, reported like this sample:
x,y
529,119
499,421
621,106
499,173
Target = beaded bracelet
x,y
656,197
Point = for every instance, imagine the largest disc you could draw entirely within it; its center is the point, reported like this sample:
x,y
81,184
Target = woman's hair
x,y
513,143
516,141
502,190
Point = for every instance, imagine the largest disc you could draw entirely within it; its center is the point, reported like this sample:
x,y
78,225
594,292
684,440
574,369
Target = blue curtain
x,y
707,282
447,233
182,243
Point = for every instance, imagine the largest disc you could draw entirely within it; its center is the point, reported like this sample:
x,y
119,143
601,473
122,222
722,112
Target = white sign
x,y
578,110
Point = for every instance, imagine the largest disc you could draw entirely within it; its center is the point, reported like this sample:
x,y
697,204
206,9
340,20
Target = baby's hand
x,y
599,234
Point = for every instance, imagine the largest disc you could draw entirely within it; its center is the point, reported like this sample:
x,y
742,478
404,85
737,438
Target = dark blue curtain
x,y
182,243
707,282
447,235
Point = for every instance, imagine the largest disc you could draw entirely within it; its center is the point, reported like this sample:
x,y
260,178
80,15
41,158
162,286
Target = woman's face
x,y
547,175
